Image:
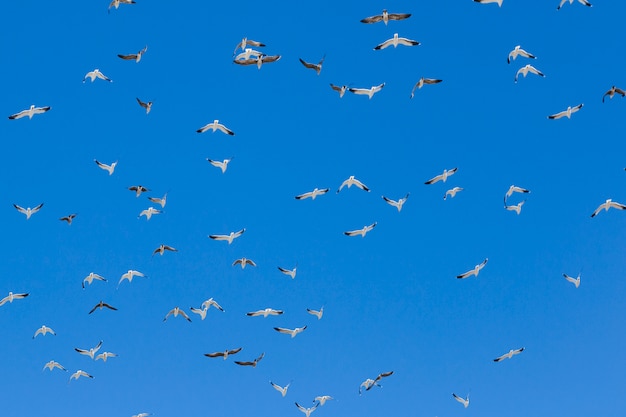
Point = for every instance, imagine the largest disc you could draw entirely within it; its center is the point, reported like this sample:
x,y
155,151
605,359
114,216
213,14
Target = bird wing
x,y
372,19
214,355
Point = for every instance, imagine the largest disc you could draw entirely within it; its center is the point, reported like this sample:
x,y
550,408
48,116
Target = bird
x,y
312,194
321,399
228,238
161,201
259,61
422,81
91,352
452,192
265,312
68,218
109,168
464,401
216,125
129,276
291,332
443,177
105,355
43,330
474,271
516,207
251,363
362,231
395,41
515,189
353,181
340,89
12,297
28,211
245,42
575,281
102,305
526,69
96,74
612,91
566,113
290,272
367,91
509,355
370,383
200,311
317,313
397,204
149,212
145,105
80,373
30,112
211,302
307,411
223,354
89,279
116,3
247,54
282,390
53,364
142,415
583,2
243,262
138,189
176,311
221,165
316,67
385,17
518,51
162,248
609,203
134,57
489,1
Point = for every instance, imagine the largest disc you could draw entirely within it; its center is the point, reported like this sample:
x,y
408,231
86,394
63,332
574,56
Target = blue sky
x,y
391,300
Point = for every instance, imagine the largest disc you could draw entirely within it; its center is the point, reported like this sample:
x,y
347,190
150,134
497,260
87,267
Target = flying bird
x,y
30,112
105,355
243,262
265,312
252,363
316,67
312,194
245,42
291,332
96,74
247,54
116,3
395,41
259,61
282,390
474,271
200,311
385,17
91,352
221,165
228,238
509,355
518,51
162,248
317,313
464,401
353,181
515,189
134,57
583,2
289,272
423,81
370,383
211,302
89,279
307,411
216,125
54,364
68,218
367,91
362,231
102,305
223,354
28,211
443,177
397,204
145,105
80,373
499,2
526,69
129,276
609,203
575,281
138,189
43,330
108,168
452,192
566,113
612,91
9,298
176,311
161,201
321,399
149,212
516,207
340,89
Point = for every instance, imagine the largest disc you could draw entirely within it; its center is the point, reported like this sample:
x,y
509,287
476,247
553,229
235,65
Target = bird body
x,y
29,112
243,262
291,332
474,271
134,57
265,312
92,75
221,165
526,69
361,232
385,17
89,352
102,305
105,355
43,330
145,104
516,207
89,279
609,203
108,168
162,248
28,211
80,373
583,2
317,313
452,192
53,364
149,212
251,363
129,276
518,51
443,177
315,67
216,125
395,41
464,401
340,89
397,204
353,181
423,81
289,272
307,411
69,218
566,113
176,312
312,194
228,238
223,354
575,281
9,298
509,355
367,91
282,390
612,91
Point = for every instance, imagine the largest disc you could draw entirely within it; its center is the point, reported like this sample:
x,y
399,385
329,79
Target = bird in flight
x,y
575,281
243,262
9,298
251,363
216,125
282,390
53,364
340,89
367,91
518,51
161,201
289,272
361,232
265,312
583,2
80,373
145,104
211,302
247,54
395,41
116,3
385,17
102,305
68,218
105,355
108,168
30,112
176,311
566,113
516,207
452,192
89,279
28,211
129,276
223,354
474,271
228,238
43,330
464,401
259,61
247,42
91,352
317,313
138,189
609,203
442,177
321,399
370,383
397,204
353,181
221,165
612,91
499,2
291,332
514,189
307,411
96,74
312,194
149,212
526,69
423,81
316,67
162,248
134,57
509,355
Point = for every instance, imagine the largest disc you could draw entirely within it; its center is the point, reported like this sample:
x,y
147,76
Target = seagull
x,y
160,201
575,281
568,112
176,311
149,212
443,177
397,204
367,91
96,74
91,352
245,42
385,17
12,297
307,411
422,82
369,383
228,238
607,205
312,194
224,354
341,90
518,51
516,208
216,125
145,105
395,41
200,311
101,305
509,355
266,312
28,211
514,189
142,415
211,302
584,2
474,271
162,248
80,373
316,313
105,355
108,168
612,91
54,364
353,181
259,61
129,276
247,54
243,262
138,189
526,69
452,192
321,399
43,330
464,401
221,165
68,218
30,112
116,3
282,390
291,332
290,272
489,1
361,232
253,363
317,67
89,279
136,57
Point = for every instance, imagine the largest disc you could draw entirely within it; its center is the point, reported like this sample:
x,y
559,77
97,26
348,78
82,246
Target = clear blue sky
x,y
391,300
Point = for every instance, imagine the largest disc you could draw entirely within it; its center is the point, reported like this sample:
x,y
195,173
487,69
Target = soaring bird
x,y
353,181
211,302
176,311
245,42
518,51
515,189
612,91
395,41
609,203
30,112
105,355
423,81
243,262
316,67
317,313
452,192
397,204
134,57
228,238
259,61
291,332
68,218
464,401
362,231
145,104
109,168
220,164
90,352
307,411
216,125
509,355
567,112
289,272
89,279
96,74
138,189
116,3
149,212
53,364
162,248
474,271
282,390
385,17
28,211
80,373
583,2
129,276
223,354
516,207
367,91
9,298
200,311
370,383
575,281
43,330
247,54
526,69
251,363
102,305
340,89
265,312
499,2
161,201
442,177
312,194
321,399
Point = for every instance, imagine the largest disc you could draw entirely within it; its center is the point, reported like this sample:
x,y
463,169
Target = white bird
x,y
200,311
243,262
516,207
575,281
397,204
54,364
395,41
353,181
162,248
129,276
108,168
134,57
526,69
290,272
367,91
247,54
28,211
566,113
612,91
509,355
30,112
96,74
116,3
452,192
176,311
518,51
211,302
583,2
145,104
265,312
362,231
221,165
609,203
216,125
312,194
138,189
385,17
317,313
370,383
142,415
259,61
245,42
340,89
423,81
91,352
321,399
223,354
44,330
80,373
307,411
474,271
149,212
291,332
443,177
161,201
282,390
228,238
105,355
499,2
12,297
514,189
464,401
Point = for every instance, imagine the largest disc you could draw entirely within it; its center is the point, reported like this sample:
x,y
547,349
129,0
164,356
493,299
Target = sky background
x,y
391,300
